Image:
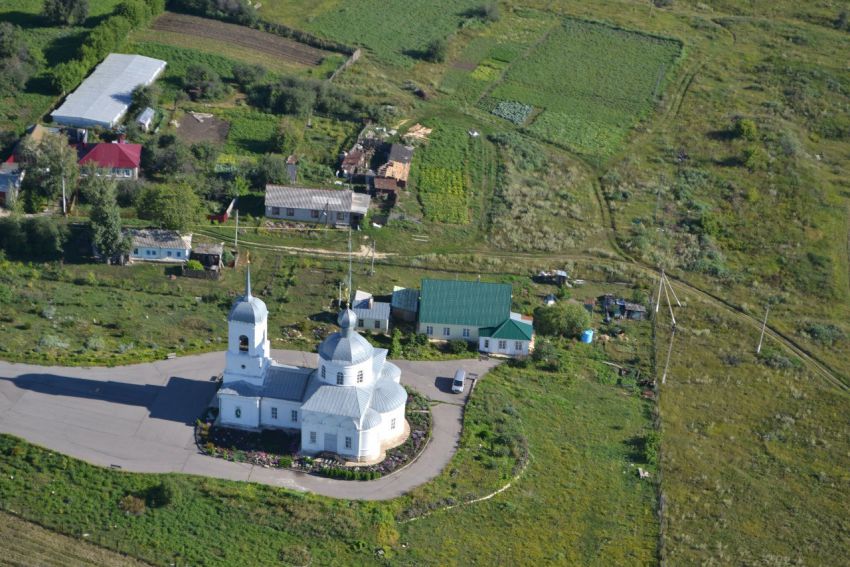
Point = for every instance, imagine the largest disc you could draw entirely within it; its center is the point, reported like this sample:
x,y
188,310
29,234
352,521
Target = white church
x,y
352,404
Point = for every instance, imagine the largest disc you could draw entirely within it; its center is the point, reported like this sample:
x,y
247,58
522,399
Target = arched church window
x,y
238,413
339,378
243,344
359,376
323,372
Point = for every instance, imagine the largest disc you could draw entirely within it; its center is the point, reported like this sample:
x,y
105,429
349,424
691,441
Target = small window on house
x,y
128,173
339,378
238,413
392,423
503,345
340,216
359,376
135,251
323,371
243,344
290,212
294,415
486,343
466,332
274,413
276,211
179,254
314,213
377,324
446,331
169,252
429,330
348,442
518,345
312,438
360,322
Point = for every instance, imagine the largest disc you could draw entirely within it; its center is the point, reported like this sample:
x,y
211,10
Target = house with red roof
x,y
117,160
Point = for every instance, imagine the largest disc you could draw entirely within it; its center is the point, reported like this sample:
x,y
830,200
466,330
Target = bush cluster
x,y
32,238
349,474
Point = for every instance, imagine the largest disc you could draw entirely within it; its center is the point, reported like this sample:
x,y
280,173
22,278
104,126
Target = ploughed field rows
x,y
241,36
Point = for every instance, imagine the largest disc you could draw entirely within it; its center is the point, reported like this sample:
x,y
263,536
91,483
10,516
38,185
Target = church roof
x,y
346,346
388,396
248,309
241,388
349,401
286,382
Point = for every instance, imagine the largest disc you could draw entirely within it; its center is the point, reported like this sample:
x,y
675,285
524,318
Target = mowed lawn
x,y
592,83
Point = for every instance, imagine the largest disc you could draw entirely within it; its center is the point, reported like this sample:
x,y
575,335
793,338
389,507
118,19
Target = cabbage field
x,y
594,82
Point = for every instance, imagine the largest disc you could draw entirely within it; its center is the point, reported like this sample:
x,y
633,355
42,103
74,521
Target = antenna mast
x,y
350,290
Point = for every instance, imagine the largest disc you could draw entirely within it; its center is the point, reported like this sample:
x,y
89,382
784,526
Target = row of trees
x,y
103,39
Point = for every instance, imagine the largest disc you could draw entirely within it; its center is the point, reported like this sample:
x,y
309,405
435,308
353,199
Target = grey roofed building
x,y
286,382
159,238
400,153
145,118
405,298
346,400
104,97
333,200
379,310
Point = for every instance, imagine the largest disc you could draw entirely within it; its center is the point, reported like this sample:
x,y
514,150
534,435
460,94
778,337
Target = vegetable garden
x,y
593,81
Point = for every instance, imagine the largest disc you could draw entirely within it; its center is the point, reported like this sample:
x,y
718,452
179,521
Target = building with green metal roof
x,y
473,311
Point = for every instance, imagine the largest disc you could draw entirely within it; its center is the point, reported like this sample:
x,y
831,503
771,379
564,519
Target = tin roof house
x,y
332,207
474,311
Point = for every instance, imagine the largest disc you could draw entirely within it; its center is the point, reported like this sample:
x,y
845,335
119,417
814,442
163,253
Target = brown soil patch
x,y
465,65
242,36
202,129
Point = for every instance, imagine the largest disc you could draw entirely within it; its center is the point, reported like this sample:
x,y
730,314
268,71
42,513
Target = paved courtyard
x,y
141,417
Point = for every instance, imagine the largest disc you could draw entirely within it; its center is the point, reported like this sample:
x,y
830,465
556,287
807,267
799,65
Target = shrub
x,y
162,494
95,343
563,319
296,556
194,265
652,443
436,51
746,128
132,505
825,334
458,347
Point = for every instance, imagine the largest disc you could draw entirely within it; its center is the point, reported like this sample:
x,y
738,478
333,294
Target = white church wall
x,y
392,424
278,414
237,411
349,373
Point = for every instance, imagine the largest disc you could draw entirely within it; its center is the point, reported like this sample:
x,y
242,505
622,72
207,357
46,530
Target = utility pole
x,y
372,269
236,233
660,284
350,290
763,327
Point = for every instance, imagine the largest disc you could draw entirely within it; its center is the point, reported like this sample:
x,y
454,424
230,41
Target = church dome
x,y
249,310
370,420
346,346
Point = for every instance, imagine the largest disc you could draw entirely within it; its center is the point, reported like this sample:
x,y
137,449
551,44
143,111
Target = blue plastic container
x,y
587,336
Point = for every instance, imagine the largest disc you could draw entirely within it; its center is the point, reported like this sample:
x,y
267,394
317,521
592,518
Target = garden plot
x,y
594,83
197,127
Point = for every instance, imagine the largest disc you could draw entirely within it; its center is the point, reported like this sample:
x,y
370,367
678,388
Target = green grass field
x,y
394,31
592,83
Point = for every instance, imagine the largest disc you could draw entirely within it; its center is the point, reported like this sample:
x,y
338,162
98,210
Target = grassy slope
x,y
25,543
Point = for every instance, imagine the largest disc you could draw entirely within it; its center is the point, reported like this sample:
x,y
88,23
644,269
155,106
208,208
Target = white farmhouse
x,y
159,245
352,404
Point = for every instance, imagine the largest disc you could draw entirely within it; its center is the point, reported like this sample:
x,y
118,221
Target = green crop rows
x,y
593,81
395,31
439,177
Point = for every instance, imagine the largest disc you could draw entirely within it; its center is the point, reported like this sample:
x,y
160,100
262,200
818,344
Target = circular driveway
x,y
141,418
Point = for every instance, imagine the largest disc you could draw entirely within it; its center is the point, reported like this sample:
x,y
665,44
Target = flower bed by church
x,y
279,449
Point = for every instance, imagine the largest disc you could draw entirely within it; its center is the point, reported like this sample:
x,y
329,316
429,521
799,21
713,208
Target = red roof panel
x,y
112,155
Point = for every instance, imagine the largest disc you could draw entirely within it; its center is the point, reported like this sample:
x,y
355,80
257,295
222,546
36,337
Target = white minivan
x,y
459,381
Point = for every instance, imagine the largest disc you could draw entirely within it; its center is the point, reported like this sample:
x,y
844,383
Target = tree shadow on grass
x,y
637,449
25,20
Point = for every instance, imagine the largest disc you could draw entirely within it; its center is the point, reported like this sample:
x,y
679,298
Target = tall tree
x,y
564,319
51,165
66,12
105,216
175,207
